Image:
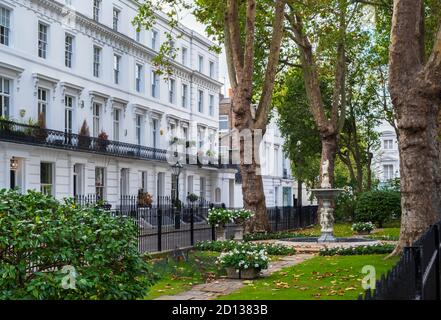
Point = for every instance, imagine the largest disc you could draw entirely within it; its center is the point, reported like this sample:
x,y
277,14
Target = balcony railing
x,y
33,135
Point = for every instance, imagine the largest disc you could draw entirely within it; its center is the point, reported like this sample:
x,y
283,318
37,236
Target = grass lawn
x,y
321,278
174,277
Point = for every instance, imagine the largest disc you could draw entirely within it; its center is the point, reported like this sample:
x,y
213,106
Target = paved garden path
x,y
221,287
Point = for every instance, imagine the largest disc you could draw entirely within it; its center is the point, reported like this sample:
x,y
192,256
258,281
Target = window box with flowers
x,y
244,263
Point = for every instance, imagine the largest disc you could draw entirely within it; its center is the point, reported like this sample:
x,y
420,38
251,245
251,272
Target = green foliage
x,y
345,207
192,197
223,246
361,250
42,239
219,216
378,206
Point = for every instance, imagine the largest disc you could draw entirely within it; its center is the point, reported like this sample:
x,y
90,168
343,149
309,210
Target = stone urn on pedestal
x,y
221,233
326,195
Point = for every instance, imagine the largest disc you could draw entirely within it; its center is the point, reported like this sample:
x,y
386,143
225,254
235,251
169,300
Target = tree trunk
x,y
420,166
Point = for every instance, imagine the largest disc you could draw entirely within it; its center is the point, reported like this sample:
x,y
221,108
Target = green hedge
x,y
378,206
361,250
223,246
77,253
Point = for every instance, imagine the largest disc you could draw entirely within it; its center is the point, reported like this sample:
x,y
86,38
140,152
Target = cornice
x,y
106,35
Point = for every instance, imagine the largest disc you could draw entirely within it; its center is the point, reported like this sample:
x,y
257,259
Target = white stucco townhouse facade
x,y
82,61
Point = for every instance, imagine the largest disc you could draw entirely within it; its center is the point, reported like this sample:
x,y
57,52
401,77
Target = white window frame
x,y
5,97
201,97
223,119
116,68
69,102
43,40
154,84
100,186
116,124
201,63
155,38
172,91
184,96
184,55
43,103
115,18
96,10
97,51
47,188
5,26
138,129
68,50
96,123
138,77
388,144
388,172
211,105
211,67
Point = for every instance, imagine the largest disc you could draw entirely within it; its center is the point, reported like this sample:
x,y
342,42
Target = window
x,y
115,19
43,101
184,56
68,52
171,90
116,126
96,61
200,63
96,119
201,101
96,10
211,106
154,39
144,181
388,144
184,95
68,107
211,140
201,134
46,178
5,92
138,36
185,133
138,77
155,133
5,22
155,84
224,123
138,129
202,188
388,171
116,66
100,183
211,69
42,40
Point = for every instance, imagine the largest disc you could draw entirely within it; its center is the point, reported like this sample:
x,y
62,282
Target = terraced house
x,y
84,112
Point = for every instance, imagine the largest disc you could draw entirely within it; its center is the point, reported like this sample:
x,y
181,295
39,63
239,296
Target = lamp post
x,y
176,170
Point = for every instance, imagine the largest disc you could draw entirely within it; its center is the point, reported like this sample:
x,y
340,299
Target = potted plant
x,y
102,141
239,217
244,263
145,199
219,217
192,198
363,228
84,136
41,133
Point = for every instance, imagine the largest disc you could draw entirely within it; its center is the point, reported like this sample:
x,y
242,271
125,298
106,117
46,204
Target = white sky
x,y
189,20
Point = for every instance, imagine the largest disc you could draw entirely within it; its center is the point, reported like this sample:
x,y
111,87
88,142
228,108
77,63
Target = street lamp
x,y
176,170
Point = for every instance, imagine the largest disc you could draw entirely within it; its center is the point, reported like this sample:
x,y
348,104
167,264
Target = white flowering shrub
x,y
363,226
240,216
242,259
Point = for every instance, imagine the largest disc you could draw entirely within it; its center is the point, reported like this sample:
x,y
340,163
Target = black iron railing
x,y
417,274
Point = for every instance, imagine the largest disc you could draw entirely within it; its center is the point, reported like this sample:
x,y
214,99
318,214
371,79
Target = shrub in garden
x,y
53,250
378,206
345,207
363,227
240,216
242,259
222,246
361,250
219,216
